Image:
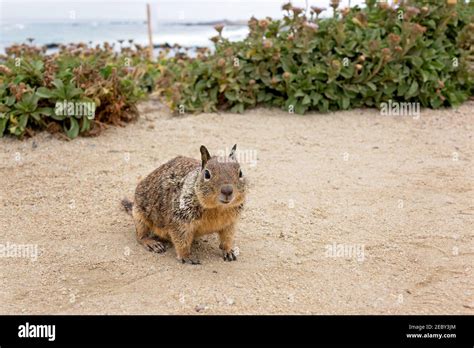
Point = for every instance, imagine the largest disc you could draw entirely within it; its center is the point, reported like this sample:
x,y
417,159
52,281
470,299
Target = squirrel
x,y
184,199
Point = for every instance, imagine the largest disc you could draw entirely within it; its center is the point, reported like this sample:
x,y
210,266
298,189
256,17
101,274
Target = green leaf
x,y
413,90
58,84
438,65
73,92
43,92
330,94
372,86
3,125
10,100
230,95
57,117
36,116
424,75
73,131
306,100
239,108
45,111
105,72
23,120
324,105
86,123
453,98
347,72
402,89
345,103
316,97
300,109
436,102
431,24
416,61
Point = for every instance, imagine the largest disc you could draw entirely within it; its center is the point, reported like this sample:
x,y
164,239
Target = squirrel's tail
x,y
127,205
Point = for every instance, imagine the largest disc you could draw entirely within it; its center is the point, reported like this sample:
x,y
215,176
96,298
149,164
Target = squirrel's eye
x,y
207,174
240,173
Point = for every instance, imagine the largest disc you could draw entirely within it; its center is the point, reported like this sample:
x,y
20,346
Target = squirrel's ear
x,y
205,156
232,152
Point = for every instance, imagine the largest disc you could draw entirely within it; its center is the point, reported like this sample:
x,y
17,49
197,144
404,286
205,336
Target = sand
x,y
391,196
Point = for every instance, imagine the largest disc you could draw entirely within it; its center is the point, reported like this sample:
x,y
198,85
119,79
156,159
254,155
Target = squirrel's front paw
x,y
190,260
229,255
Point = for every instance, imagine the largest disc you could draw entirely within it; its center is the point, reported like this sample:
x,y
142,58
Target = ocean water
x,y
188,35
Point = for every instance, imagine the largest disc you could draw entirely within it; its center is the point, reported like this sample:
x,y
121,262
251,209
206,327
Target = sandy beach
x,y
394,194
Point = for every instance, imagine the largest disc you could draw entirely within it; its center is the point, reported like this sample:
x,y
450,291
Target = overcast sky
x,y
172,10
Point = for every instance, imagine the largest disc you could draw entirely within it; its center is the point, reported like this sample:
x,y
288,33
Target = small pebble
x,y
200,308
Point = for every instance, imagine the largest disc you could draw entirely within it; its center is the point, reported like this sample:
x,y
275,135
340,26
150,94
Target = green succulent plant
x,y
32,83
358,58
24,111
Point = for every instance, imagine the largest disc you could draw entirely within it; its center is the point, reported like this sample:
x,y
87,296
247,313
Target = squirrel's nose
x,y
227,190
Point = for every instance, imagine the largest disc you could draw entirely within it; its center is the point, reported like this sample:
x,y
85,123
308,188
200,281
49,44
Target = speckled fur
x,y
175,203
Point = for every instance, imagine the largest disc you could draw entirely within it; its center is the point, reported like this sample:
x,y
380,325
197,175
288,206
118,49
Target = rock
x,y
199,308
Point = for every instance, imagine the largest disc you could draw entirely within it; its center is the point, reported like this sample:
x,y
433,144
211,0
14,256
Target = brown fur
x,y
176,203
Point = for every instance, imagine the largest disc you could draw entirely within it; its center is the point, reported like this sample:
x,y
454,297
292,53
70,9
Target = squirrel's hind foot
x,y
154,244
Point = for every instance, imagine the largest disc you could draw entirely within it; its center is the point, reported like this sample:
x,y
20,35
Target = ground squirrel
x,y
184,199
